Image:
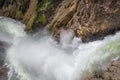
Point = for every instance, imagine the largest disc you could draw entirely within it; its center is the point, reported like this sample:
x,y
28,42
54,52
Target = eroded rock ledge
x,y
89,19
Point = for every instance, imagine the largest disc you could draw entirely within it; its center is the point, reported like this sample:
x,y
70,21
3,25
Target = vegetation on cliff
x,y
42,8
45,10
33,13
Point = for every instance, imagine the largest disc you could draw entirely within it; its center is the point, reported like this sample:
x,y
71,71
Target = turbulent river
x,y
39,57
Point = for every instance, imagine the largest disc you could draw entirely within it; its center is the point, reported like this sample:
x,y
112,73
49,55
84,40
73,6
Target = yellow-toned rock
x,y
89,19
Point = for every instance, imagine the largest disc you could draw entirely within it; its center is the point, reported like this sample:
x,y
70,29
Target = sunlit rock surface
x,y
89,19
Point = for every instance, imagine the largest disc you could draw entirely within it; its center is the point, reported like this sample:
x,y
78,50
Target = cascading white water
x,y
39,57
10,29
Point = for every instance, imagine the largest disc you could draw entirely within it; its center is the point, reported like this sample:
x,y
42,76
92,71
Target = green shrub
x,y
42,10
43,19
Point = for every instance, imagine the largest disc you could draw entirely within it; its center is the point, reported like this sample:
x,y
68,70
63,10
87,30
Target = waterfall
x,y
39,57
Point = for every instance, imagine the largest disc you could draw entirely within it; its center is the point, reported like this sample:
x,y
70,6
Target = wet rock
x,y
2,52
3,72
112,72
3,67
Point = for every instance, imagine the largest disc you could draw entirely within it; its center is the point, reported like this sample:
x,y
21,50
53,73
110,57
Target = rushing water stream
x,y
39,57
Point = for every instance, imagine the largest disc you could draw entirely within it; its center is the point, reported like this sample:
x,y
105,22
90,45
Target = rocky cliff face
x,y
33,13
89,19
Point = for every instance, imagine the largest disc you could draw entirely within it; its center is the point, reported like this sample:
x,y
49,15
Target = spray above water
x,y
10,29
41,58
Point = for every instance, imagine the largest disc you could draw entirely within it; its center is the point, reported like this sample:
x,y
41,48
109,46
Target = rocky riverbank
x,y
111,73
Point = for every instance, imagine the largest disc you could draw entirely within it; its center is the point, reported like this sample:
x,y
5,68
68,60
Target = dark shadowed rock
x,y
3,68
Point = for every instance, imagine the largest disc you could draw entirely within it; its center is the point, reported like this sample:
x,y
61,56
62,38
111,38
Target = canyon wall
x,y
33,13
88,19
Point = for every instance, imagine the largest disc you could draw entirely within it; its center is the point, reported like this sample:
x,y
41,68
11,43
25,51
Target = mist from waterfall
x,y
39,57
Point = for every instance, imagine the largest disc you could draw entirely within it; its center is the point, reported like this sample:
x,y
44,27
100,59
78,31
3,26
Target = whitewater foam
x,y
41,58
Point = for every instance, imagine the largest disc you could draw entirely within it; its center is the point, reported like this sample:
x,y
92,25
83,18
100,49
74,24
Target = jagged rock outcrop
x,y
89,19
33,13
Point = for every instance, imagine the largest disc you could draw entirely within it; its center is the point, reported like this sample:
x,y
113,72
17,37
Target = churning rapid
x,y
39,57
